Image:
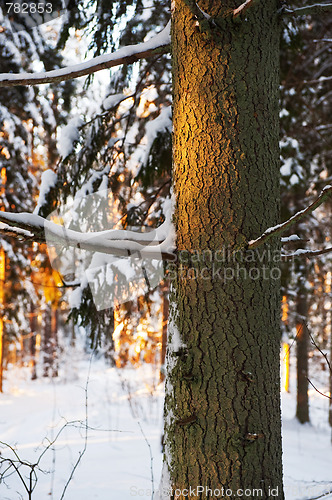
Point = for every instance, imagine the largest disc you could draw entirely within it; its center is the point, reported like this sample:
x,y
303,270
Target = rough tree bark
x,y
222,403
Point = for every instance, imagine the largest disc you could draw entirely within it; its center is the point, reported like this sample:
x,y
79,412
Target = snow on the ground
x,y
124,426
121,407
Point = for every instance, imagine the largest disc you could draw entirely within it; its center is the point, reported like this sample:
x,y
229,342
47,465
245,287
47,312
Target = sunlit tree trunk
x,y
222,404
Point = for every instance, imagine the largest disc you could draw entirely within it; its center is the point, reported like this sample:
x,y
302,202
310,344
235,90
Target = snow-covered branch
x,y
281,228
127,55
157,244
317,8
301,252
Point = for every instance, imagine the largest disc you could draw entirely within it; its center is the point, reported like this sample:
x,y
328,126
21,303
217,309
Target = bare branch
x,y
300,83
81,453
317,8
320,350
306,253
321,79
242,8
317,390
127,55
281,228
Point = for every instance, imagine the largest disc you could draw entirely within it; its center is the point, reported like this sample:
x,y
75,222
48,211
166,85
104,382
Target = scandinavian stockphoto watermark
x,y
206,492
226,265
27,14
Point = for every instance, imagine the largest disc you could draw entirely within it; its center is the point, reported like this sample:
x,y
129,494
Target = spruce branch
x,y
159,44
121,243
281,228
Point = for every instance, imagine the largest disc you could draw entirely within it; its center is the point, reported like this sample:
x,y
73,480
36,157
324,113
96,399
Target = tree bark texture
x,y
222,407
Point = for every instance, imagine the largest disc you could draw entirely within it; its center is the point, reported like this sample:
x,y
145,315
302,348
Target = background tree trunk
x,y
32,340
330,380
302,341
50,341
223,426
165,312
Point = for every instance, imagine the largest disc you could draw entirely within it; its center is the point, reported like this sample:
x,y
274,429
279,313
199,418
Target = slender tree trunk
x,y
50,342
2,283
330,368
302,341
165,312
222,407
55,322
302,333
1,354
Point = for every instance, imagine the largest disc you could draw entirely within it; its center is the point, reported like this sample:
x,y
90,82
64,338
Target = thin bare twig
x,y
281,228
320,350
319,392
151,458
81,453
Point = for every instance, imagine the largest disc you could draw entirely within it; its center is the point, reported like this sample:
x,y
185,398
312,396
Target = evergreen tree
x,y
28,119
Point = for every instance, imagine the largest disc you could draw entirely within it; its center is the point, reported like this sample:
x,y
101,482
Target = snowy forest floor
x,y
123,447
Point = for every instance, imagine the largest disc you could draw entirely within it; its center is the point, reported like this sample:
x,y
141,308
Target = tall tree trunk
x,y
302,333
32,340
165,311
2,295
50,341
222,406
